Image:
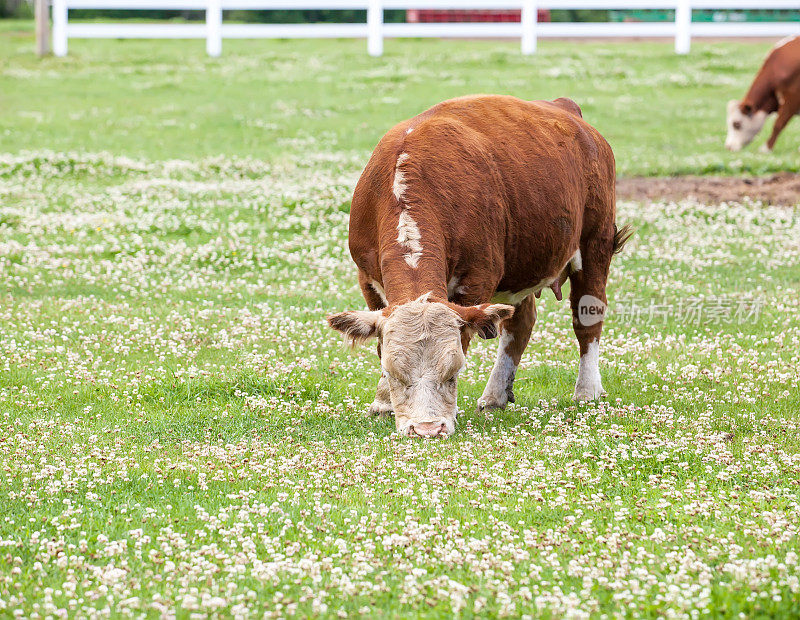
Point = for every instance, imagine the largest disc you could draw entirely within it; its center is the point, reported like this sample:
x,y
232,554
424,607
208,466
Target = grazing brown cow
x,y
461,216
776,88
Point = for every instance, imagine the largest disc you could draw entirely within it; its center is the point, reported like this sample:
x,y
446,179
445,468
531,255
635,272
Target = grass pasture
x,y
180,434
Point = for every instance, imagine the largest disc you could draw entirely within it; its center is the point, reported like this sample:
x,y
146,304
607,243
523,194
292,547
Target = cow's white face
x,y
421,354
742,126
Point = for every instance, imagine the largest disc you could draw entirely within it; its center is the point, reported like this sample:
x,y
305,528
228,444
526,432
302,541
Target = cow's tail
x,y
621,237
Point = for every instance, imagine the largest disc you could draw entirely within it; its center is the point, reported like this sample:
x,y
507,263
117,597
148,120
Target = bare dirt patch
x,y
778,189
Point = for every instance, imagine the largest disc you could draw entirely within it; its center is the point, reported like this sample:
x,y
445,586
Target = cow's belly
x,y
514,298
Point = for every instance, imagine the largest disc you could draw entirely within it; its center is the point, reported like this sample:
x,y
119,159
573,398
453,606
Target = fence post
x,y
375,28
683,27
42,14
60,27
529,18
214,28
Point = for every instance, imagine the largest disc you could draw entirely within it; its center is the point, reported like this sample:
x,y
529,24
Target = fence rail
x,y
528,30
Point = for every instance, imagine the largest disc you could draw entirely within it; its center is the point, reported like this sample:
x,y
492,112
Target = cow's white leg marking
x,y
399,185
588,386
497,392
382,405
379,290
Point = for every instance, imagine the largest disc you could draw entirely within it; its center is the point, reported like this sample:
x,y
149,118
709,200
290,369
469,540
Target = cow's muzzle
x,y
426,429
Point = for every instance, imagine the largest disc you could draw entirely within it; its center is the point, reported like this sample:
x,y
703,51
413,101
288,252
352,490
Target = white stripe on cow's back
x,y
408,235
784,41
399,185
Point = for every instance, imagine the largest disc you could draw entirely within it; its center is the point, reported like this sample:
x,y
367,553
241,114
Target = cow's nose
x,y
427,429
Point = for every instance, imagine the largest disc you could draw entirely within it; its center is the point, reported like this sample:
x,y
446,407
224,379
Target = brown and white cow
x,y
461,216
776,88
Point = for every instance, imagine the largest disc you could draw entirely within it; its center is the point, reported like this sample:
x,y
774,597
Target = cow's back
x,y
784,59
491,179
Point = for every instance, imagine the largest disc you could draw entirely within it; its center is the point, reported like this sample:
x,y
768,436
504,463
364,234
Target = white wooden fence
x,y
375,30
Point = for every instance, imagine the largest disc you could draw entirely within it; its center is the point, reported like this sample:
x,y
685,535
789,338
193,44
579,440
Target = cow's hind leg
x,y
588,300
514,336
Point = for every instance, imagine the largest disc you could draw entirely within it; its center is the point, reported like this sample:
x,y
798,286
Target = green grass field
x,y
158,100
180,433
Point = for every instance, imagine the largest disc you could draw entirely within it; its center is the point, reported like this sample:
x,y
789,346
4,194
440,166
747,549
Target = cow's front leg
x,y
514,336
789,107
382,405
374,296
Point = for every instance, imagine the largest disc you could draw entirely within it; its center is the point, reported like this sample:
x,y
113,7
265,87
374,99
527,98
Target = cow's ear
x,y
485,319
357,325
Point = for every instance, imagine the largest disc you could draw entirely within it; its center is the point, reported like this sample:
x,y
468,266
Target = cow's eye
x,y
737,125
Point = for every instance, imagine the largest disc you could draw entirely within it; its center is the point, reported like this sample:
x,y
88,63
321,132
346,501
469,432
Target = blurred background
x,y
24,9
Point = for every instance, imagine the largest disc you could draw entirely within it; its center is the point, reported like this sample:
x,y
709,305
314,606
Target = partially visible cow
x,y
776,88
461,216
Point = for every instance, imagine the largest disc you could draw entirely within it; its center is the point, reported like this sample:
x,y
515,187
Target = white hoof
x,y
764,149
588,386
487,402
585,393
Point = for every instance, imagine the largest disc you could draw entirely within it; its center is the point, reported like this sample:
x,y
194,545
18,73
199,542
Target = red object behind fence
x,y
416,16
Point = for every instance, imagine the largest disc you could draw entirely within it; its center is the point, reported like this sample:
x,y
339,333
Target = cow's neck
x,y
403,283
761,95
413,256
